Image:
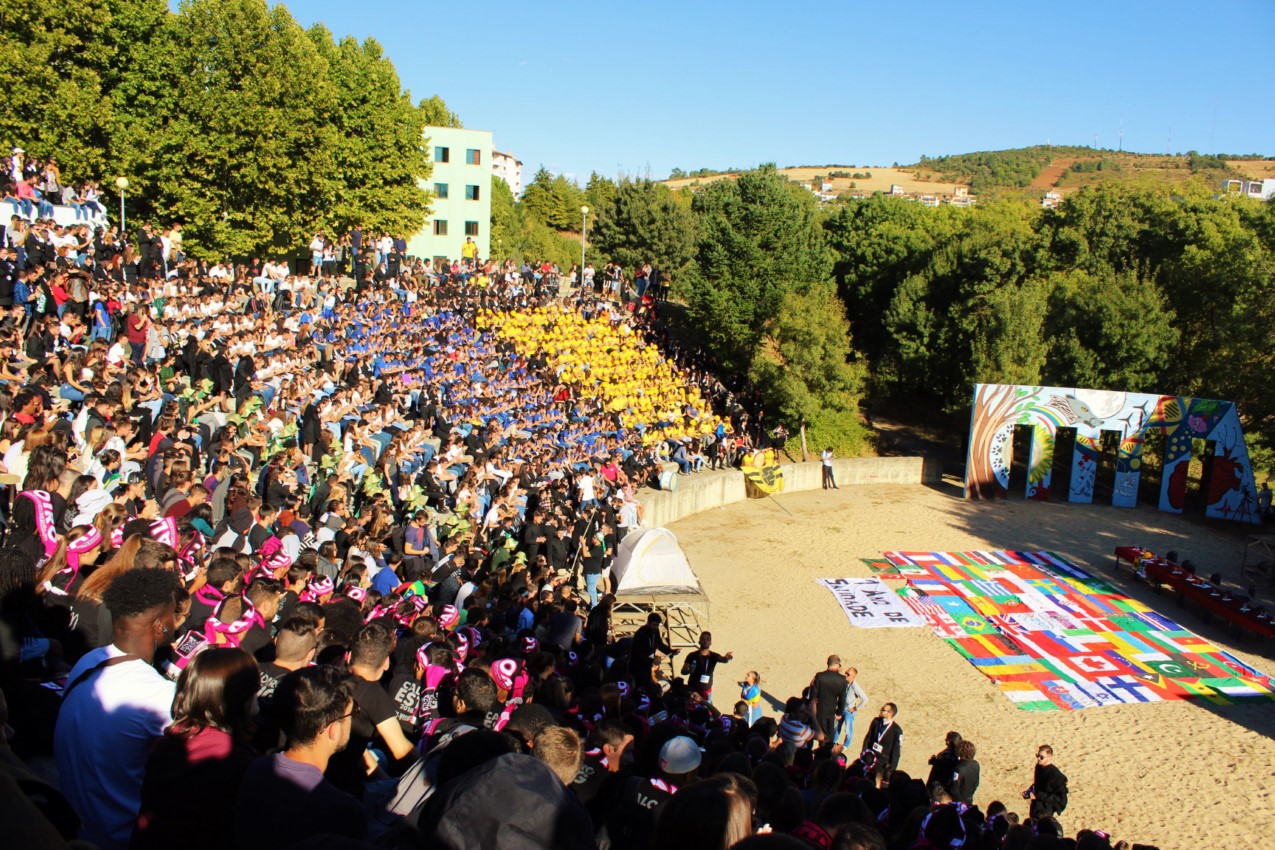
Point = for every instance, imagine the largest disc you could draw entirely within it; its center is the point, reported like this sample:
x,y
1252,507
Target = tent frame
x,y
685,615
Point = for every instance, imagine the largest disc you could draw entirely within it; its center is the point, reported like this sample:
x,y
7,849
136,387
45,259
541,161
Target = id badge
x,y
703,680
876,748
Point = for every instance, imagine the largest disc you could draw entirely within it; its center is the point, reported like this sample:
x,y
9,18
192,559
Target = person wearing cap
x,y
631,821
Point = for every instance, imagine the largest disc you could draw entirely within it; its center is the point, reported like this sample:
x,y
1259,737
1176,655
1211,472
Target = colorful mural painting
x,y
1229,491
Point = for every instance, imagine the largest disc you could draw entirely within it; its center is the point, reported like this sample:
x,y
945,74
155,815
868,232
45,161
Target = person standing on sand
x,y
829,483
827,699
1048,793
885,742
698,666
854,701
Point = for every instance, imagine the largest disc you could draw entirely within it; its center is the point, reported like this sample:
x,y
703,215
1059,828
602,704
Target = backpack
x,y
418,784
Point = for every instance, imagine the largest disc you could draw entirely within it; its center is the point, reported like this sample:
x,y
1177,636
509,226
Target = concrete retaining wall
x,y
706,490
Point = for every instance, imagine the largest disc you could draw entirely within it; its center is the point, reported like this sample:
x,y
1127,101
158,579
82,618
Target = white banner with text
x,y
870,603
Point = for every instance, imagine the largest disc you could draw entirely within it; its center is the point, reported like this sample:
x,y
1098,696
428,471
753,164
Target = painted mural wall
x,y
999,408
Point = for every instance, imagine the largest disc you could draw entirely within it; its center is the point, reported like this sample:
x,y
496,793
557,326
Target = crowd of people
x,y
293,559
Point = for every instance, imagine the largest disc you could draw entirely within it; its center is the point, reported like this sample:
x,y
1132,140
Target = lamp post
x,y
584,240
121,183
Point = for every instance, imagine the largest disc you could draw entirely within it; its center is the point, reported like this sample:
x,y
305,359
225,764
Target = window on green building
x,y
442,154
440,191
473,156
471,228
471,193
440,227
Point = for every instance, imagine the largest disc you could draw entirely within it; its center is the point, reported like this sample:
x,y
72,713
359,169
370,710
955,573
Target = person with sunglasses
x,y
1048,793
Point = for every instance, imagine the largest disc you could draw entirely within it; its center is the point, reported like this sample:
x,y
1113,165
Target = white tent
x,y
650,561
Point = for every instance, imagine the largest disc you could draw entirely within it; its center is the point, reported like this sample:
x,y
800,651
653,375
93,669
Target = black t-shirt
x,y
271,674
406,693
631,823
258,643
593,773
346,769
698,669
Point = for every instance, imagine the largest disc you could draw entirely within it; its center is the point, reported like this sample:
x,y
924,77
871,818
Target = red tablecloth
x,y
1212,599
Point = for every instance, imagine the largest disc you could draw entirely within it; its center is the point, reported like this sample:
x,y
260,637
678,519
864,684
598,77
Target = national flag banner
x,y
1051,637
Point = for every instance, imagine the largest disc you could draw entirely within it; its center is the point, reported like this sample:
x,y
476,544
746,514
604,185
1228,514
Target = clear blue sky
x,y
638,88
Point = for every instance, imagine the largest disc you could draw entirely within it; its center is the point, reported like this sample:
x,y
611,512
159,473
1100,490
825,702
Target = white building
x,y
508,168
461,189
1258,190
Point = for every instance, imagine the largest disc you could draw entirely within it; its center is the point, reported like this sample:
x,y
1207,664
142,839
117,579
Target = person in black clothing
x,y
376,719
943,763
646,642
885,743
965,776
264,596
699,665
1048,793
827,699
245,374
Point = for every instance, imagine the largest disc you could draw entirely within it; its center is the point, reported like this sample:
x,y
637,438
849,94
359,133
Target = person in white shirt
x,y
115,706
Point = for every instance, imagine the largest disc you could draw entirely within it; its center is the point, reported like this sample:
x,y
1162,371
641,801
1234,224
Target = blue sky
x,y
641,88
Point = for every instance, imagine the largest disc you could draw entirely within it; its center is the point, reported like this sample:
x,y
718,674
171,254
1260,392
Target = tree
x,y
554,201
506,221
247,161
135,57
758,239
1111,331
1008,346
644,223
437,114
53,87
378,146
599,192
805,369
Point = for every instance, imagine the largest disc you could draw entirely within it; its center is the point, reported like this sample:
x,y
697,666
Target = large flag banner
x,y
1054,638
869,603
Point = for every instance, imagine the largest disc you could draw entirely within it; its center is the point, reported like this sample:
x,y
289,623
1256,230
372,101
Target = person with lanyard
x,y
115,707
699,665
883,745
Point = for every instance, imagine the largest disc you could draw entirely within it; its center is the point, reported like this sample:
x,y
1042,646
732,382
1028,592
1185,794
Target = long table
x,y
1239,612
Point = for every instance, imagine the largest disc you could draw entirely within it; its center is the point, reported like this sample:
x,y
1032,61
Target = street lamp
x,y
584,240
121,183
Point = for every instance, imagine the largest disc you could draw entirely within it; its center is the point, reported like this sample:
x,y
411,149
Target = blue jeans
x,y
591,585
845,731
70,393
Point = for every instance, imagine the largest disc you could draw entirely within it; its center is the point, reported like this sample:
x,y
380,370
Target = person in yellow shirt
x,y
469,250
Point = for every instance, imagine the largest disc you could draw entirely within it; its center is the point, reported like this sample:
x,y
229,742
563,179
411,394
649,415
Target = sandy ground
x,y
1175,774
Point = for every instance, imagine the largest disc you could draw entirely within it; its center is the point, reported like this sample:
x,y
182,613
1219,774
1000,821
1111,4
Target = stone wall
x,y
705,490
